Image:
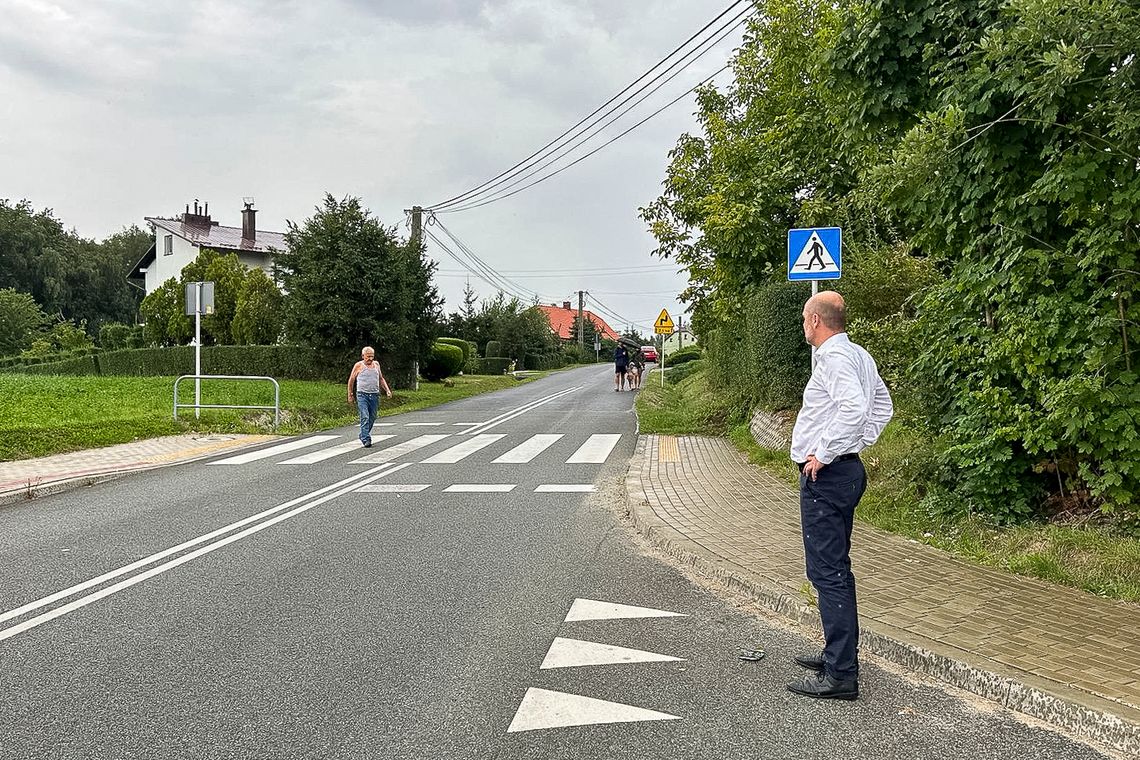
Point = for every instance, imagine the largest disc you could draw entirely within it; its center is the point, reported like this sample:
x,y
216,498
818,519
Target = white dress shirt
x,y
846,404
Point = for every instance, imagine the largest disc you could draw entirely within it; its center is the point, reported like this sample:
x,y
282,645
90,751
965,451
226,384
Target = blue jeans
x,y
827,513
367,404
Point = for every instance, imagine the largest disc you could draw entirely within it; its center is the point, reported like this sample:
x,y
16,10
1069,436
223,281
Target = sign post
x,y
597,348
663,326
199,301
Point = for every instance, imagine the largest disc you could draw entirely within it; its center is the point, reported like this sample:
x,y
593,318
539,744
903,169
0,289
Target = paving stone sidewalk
x,y
29,477
1059,654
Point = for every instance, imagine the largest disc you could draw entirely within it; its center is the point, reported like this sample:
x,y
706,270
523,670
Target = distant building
x,y
177,242
562,322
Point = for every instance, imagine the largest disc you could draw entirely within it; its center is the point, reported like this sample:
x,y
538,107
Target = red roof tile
x,y
562,322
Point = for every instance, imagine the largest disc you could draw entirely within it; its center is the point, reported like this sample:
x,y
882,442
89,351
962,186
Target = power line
x,y
570,133
497,189
592,152
594,270
480,269
607,311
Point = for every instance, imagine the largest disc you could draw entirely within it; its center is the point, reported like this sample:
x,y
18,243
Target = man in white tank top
x,y
364,385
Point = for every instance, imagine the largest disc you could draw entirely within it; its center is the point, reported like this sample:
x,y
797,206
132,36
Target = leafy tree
x,y
228,274
21,319
351,281
163,312
62,337
259,317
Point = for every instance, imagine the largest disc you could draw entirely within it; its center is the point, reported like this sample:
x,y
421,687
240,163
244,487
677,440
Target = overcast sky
x,y
112,111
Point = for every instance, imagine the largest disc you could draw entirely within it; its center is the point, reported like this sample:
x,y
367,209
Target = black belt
x,y
840,458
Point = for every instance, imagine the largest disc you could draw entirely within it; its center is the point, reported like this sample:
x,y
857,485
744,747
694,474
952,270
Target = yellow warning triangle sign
x,y
664,323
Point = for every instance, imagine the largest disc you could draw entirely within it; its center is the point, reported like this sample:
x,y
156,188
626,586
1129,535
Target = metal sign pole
x,y
197,350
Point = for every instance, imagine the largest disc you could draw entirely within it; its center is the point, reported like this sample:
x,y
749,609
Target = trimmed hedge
x,y
445,360
494,349
280,362
495,365
682,355
462,345
543,361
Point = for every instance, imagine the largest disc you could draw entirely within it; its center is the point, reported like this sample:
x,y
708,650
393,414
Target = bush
x,y
444,360
494,365
683,355
543,361
80,365
463,345
114,336
494,349
679,372
576,355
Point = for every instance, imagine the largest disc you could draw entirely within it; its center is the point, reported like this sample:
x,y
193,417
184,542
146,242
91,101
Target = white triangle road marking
x,y
542,708
332,451
272,451
805,261
573,653
590,609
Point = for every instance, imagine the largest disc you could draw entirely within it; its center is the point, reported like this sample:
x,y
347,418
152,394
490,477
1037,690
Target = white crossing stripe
x,y
332,451
595,450
273,451
480,488
565,488
423,424
542,708
394,452
461,451
590,609
393,488
574,653
529,449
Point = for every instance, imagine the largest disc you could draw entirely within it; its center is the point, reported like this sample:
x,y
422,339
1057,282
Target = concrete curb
x,y
951,666
66,483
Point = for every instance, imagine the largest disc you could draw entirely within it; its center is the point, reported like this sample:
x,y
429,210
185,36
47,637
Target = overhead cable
x,y
476,267
573,131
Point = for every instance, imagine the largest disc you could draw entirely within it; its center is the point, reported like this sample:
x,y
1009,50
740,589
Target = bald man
x,y
845,408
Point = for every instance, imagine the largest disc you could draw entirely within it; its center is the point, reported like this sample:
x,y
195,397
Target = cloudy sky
x,y
115,110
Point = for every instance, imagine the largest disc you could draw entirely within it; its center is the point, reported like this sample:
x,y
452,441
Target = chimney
x,y
200,216
248,221
566,305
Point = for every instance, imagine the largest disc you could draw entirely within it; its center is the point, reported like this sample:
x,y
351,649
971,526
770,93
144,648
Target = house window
x,y
168,245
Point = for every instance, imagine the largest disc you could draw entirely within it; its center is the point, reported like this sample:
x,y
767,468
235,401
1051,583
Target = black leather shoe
x,y
812,661
823,686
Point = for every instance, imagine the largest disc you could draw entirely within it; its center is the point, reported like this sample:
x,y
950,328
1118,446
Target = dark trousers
x,y
827,512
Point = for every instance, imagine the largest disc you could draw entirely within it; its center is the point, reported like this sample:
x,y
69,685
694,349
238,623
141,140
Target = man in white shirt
x,y
846,406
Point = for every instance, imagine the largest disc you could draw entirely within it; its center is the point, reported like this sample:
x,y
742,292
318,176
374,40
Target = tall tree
x,y
21,320
351,281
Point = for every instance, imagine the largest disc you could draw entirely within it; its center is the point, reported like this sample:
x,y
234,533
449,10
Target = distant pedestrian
x,y
364,386
845,408
636,368
621,366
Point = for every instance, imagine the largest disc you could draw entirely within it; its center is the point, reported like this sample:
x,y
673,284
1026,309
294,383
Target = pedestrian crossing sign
x,y
815,253
664,323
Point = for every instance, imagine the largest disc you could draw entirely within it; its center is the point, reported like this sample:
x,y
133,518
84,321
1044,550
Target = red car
x,y
650,353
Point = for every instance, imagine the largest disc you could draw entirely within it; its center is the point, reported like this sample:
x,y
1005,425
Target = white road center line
x,y
507,416
565,488
529,449
461,451
393,488
595,450
332,451
281,448
407,447
480,488
337,489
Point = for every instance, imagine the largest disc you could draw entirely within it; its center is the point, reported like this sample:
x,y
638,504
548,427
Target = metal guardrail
x,y
276,395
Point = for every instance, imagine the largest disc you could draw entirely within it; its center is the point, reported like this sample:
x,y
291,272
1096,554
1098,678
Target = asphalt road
x,y
334,608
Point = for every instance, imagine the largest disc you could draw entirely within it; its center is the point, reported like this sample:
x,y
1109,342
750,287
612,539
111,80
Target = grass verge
x,y
1090,557
43,415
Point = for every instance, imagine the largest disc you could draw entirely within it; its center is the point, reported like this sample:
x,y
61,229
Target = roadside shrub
x,y
543,361
444,360
494,349
576,355
114,336
80,365
494,365
463,345
683,355
679,372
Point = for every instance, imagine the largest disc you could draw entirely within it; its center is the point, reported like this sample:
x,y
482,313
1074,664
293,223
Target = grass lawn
x,y
1086,556
42,415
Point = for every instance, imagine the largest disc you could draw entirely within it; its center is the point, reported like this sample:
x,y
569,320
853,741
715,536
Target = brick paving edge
x,y
1080,720
52,487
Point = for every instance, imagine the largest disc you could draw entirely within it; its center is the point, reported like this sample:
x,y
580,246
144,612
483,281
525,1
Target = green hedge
x,y
543,361
494,349
462,345
280,362
682,355
495,365
445,360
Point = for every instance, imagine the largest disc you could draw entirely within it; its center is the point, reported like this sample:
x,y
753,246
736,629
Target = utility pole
x,y
417,226
581,320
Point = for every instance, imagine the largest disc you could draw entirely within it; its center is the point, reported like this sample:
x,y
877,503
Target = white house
x,y
177,242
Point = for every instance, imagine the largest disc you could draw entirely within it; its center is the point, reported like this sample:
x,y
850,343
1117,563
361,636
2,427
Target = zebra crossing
x,y
595,449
